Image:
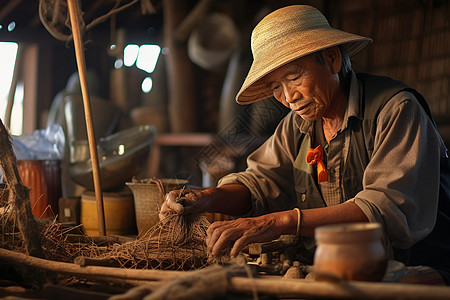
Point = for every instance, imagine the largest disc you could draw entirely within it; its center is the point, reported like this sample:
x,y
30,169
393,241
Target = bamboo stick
x,y
342,290
268,286
73,6
90,272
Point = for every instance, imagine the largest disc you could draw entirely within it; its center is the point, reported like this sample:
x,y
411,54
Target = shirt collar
x,y
353,107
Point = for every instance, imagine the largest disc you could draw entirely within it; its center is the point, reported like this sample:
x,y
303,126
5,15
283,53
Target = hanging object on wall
x,y
54,15
212,42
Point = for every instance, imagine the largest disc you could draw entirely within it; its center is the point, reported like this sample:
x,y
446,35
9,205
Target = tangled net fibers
x,y
176,243
56,242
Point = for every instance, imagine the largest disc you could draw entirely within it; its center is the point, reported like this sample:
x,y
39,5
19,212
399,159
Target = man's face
x,y
305,86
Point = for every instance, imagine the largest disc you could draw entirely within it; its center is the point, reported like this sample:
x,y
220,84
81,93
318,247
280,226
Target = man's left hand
x,y
239,233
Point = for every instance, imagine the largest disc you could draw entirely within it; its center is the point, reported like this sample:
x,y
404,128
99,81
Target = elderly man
x,y
354,148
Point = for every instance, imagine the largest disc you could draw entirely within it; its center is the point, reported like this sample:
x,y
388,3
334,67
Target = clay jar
x,y
352,251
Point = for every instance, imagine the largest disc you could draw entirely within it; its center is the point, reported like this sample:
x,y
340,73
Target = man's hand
x,y
183,202
241,232
171,202
232,199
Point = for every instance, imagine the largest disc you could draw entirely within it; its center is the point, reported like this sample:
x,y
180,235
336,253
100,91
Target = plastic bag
x,y
43,144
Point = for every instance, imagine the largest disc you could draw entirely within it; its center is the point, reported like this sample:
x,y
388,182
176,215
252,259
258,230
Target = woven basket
x,y
148,197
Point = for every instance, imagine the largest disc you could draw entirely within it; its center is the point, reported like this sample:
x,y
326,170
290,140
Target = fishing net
x,y
177,243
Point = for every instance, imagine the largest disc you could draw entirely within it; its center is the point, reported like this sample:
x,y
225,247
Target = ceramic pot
x,y
43,177
351,251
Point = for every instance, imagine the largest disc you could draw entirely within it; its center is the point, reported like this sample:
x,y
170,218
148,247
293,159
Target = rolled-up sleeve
x,y
269,175
401,182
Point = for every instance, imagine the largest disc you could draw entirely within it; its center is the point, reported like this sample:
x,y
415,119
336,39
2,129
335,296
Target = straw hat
x,y
285,35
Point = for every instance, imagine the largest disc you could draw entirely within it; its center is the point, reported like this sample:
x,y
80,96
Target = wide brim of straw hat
x,y
285,35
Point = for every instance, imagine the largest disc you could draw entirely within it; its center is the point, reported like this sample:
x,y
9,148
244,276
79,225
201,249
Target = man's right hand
x,y
183,202
233,200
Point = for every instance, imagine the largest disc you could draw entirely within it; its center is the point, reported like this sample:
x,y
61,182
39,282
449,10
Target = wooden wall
x,y
411,43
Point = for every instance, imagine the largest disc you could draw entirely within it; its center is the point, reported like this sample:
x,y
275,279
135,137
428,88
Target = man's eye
x,y
276,91
294,78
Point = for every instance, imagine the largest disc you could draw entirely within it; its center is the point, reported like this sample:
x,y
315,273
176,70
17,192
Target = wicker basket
x,y
148,197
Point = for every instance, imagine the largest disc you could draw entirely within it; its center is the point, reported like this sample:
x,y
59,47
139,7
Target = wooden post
x,y
73,6
182,108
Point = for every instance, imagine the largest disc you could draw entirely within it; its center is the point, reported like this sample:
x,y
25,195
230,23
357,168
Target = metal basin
x,y
121,156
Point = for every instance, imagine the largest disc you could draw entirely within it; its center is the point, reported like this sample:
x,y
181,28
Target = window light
x,y
147,58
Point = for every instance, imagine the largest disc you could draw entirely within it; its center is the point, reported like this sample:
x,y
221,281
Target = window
x,y
8,55
145,57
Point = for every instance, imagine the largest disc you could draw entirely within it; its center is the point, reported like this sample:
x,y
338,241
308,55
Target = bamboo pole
x,y
281,287
338,290
90,272
73,6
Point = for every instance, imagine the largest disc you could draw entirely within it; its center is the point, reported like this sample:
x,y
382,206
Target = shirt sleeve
x,y
401,182
269,174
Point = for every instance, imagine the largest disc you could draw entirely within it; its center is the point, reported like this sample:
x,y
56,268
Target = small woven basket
x,y
148,197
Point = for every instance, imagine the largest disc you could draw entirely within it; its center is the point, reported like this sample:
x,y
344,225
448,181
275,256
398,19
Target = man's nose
x,y
290,93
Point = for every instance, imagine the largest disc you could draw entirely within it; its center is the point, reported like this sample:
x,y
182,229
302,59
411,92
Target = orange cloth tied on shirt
x,y
315,156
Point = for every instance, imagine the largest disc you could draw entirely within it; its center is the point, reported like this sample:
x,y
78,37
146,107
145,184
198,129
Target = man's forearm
x,y
231,199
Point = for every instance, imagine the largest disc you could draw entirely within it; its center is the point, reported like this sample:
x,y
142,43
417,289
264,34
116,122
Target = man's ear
x,y
333,58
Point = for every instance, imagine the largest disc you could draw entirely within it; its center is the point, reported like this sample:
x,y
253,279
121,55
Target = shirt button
x,y
303,197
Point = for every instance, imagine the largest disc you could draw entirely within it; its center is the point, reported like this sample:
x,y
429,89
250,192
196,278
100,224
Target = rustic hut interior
x,y
144,104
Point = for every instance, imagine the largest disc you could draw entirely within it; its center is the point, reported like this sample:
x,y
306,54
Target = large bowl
x,y
121,156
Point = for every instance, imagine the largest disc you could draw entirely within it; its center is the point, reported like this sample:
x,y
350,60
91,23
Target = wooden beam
x,y
8,8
